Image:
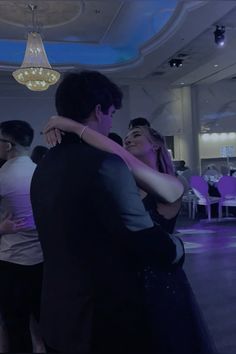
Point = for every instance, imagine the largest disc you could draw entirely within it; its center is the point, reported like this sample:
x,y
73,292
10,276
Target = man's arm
x,y
119,207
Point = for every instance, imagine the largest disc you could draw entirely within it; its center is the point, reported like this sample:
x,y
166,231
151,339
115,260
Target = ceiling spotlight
x,y
219,34
176,63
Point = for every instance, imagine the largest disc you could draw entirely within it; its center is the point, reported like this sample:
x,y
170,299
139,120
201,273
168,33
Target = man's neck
x,y
92,125
14,154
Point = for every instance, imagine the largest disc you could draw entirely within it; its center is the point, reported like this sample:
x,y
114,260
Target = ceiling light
x,y
205,137
219,35
216,65
223,136
214,136
35,72
176,63
232,135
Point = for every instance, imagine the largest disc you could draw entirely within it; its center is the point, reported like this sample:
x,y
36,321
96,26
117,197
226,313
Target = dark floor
x,y
211,267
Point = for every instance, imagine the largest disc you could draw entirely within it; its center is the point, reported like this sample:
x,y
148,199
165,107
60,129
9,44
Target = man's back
x,y
91,293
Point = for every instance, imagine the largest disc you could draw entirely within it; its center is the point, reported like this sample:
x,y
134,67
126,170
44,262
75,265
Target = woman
x,y
175,317
168,293
149,146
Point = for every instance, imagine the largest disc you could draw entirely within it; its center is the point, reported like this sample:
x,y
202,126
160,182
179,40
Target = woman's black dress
x,y
175,317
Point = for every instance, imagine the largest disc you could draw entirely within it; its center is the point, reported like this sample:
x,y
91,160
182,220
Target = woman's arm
x,y
165,186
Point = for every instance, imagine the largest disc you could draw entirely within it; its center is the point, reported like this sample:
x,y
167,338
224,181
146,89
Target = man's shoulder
x,y
105,160
92,152
79,155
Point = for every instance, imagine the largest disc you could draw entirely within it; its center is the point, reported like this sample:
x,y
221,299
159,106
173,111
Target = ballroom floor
x,y
211,268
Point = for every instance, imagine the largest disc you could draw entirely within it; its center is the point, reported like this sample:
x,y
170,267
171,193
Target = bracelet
x,y
82,132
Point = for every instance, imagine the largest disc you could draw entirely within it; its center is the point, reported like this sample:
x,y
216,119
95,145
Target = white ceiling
x,y
102,24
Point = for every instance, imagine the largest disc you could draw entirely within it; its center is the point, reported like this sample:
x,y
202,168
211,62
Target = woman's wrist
x,y
79,129
82,131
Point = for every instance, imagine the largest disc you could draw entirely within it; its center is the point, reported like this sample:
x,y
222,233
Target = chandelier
x,y
35,72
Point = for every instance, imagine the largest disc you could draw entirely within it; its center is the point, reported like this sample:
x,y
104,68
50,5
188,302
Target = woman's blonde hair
x,y
163,162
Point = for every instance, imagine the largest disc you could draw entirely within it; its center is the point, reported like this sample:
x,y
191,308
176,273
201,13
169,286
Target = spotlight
x,y
176,63
219,35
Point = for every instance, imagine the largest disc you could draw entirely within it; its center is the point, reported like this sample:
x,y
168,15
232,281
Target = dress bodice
x,y
150,202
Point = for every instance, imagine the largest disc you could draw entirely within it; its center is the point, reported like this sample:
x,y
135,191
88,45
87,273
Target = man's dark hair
x,y
78,94
115,137
18,131
139,121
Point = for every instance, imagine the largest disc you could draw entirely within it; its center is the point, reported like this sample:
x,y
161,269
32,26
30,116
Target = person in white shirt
x,y
211,174
20,250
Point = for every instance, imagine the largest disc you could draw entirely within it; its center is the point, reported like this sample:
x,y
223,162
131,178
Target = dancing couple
x,y
113,279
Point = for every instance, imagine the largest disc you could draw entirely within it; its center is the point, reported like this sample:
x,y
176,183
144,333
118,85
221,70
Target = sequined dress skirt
x,y
176,320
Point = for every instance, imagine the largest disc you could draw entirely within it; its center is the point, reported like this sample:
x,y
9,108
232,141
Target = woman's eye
x,y
136,135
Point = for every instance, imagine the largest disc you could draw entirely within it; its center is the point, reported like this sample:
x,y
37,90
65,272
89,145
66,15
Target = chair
x,y
200,189
190,198
224,170
227,188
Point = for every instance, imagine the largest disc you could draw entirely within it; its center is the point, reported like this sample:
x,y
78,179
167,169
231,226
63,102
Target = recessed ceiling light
x,y
215,65
176,63
182,83
219,35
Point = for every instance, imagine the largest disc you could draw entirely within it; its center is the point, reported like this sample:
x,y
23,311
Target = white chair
x,y
200,189
227,188
191,200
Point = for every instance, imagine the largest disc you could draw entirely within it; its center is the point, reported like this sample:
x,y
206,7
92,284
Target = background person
x,y
138,122
20,252
115,137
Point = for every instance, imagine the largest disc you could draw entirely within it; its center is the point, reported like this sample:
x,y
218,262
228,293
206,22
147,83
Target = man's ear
x,y
8,147
98,112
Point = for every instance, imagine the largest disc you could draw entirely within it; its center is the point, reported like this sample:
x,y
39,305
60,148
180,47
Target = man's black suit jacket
x,y
91,224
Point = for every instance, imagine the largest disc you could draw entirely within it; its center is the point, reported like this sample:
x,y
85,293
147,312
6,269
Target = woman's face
x,y
138,143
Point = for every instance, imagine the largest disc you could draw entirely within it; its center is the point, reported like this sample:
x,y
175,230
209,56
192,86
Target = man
x,y
20,252
95,233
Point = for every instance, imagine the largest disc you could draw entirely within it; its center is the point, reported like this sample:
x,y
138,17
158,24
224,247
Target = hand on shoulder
x,y
57,126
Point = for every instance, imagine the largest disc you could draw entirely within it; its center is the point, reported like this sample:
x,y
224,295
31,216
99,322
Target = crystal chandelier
x,y
35,72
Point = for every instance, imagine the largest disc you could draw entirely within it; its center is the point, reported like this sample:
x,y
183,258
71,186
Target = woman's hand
x,y
56,126
11,226
61,123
